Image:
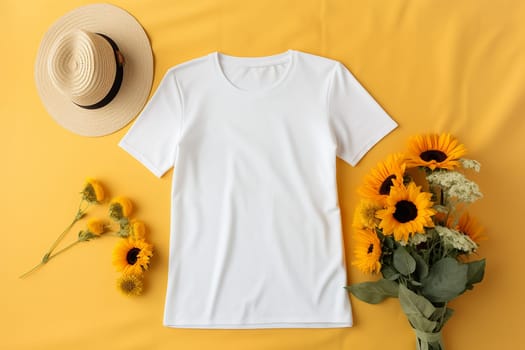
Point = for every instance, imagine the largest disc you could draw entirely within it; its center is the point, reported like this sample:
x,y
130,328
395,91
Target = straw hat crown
x,y
82,66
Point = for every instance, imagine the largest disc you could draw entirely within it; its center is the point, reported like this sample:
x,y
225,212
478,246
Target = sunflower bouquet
x,y
413,228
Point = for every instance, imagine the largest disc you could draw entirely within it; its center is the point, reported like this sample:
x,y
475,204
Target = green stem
x,y
66,248
32,270
80,213
47,258
78,216
442,318
60,237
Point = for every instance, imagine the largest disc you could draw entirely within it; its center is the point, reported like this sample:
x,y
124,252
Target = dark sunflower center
x,y
132,256
128,286
385,186
433,154
405,211
370,248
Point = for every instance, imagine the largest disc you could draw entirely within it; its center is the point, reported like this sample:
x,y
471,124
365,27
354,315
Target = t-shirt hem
x,y
138,156
373,141
262,325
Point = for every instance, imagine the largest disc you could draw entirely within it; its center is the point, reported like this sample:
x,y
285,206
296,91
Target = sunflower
x,y
93,191
131,256
470,226
408,211
365,215
367,251
435,151
96,226
120,207
130,284
377,183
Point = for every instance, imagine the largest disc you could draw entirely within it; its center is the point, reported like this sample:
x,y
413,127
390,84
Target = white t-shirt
x,y
256,237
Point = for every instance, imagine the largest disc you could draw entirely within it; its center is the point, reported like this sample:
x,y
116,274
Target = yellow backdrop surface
x,y
456,66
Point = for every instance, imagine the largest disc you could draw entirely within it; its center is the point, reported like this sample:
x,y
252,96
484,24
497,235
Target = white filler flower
x,y
456,185
456,239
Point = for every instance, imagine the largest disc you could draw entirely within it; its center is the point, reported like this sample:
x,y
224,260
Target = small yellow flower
x,y
93,191
365,215
367,251
96,226
131,256
120,207
130,284
138,229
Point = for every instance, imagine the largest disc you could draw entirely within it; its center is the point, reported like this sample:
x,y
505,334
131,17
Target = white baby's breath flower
x,y
417,239
470,164
456,239
456,185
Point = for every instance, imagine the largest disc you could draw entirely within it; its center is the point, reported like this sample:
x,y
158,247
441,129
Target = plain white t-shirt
x,y
256,237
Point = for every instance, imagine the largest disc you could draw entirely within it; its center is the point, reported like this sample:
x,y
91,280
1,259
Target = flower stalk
x,y
79,215
92,193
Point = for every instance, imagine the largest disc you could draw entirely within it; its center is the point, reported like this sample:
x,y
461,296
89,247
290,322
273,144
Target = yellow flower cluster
x,y
132,253
93,191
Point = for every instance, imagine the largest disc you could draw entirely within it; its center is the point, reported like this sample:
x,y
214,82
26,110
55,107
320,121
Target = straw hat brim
x,y
134,44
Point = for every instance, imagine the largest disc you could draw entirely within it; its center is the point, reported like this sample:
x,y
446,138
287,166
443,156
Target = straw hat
x,y
94,69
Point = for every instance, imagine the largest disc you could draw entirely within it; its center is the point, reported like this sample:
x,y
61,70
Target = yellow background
x,y
447,65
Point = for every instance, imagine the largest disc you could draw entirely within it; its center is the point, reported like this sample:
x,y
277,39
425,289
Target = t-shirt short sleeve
x,y
358,122
153,138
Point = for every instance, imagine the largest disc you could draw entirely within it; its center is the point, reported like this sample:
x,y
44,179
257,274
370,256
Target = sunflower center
x,y
370,248
405,211
132,256
128,286
385,186
433,154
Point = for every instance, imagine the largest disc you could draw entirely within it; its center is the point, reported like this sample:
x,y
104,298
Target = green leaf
x,y
413,303
389,242
475,272
421,267
441,316
85,236
374,292
403,261
390,273
446,280
421,323
418,309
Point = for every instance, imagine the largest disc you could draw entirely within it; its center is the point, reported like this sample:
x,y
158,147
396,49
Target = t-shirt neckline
x,y
288,55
